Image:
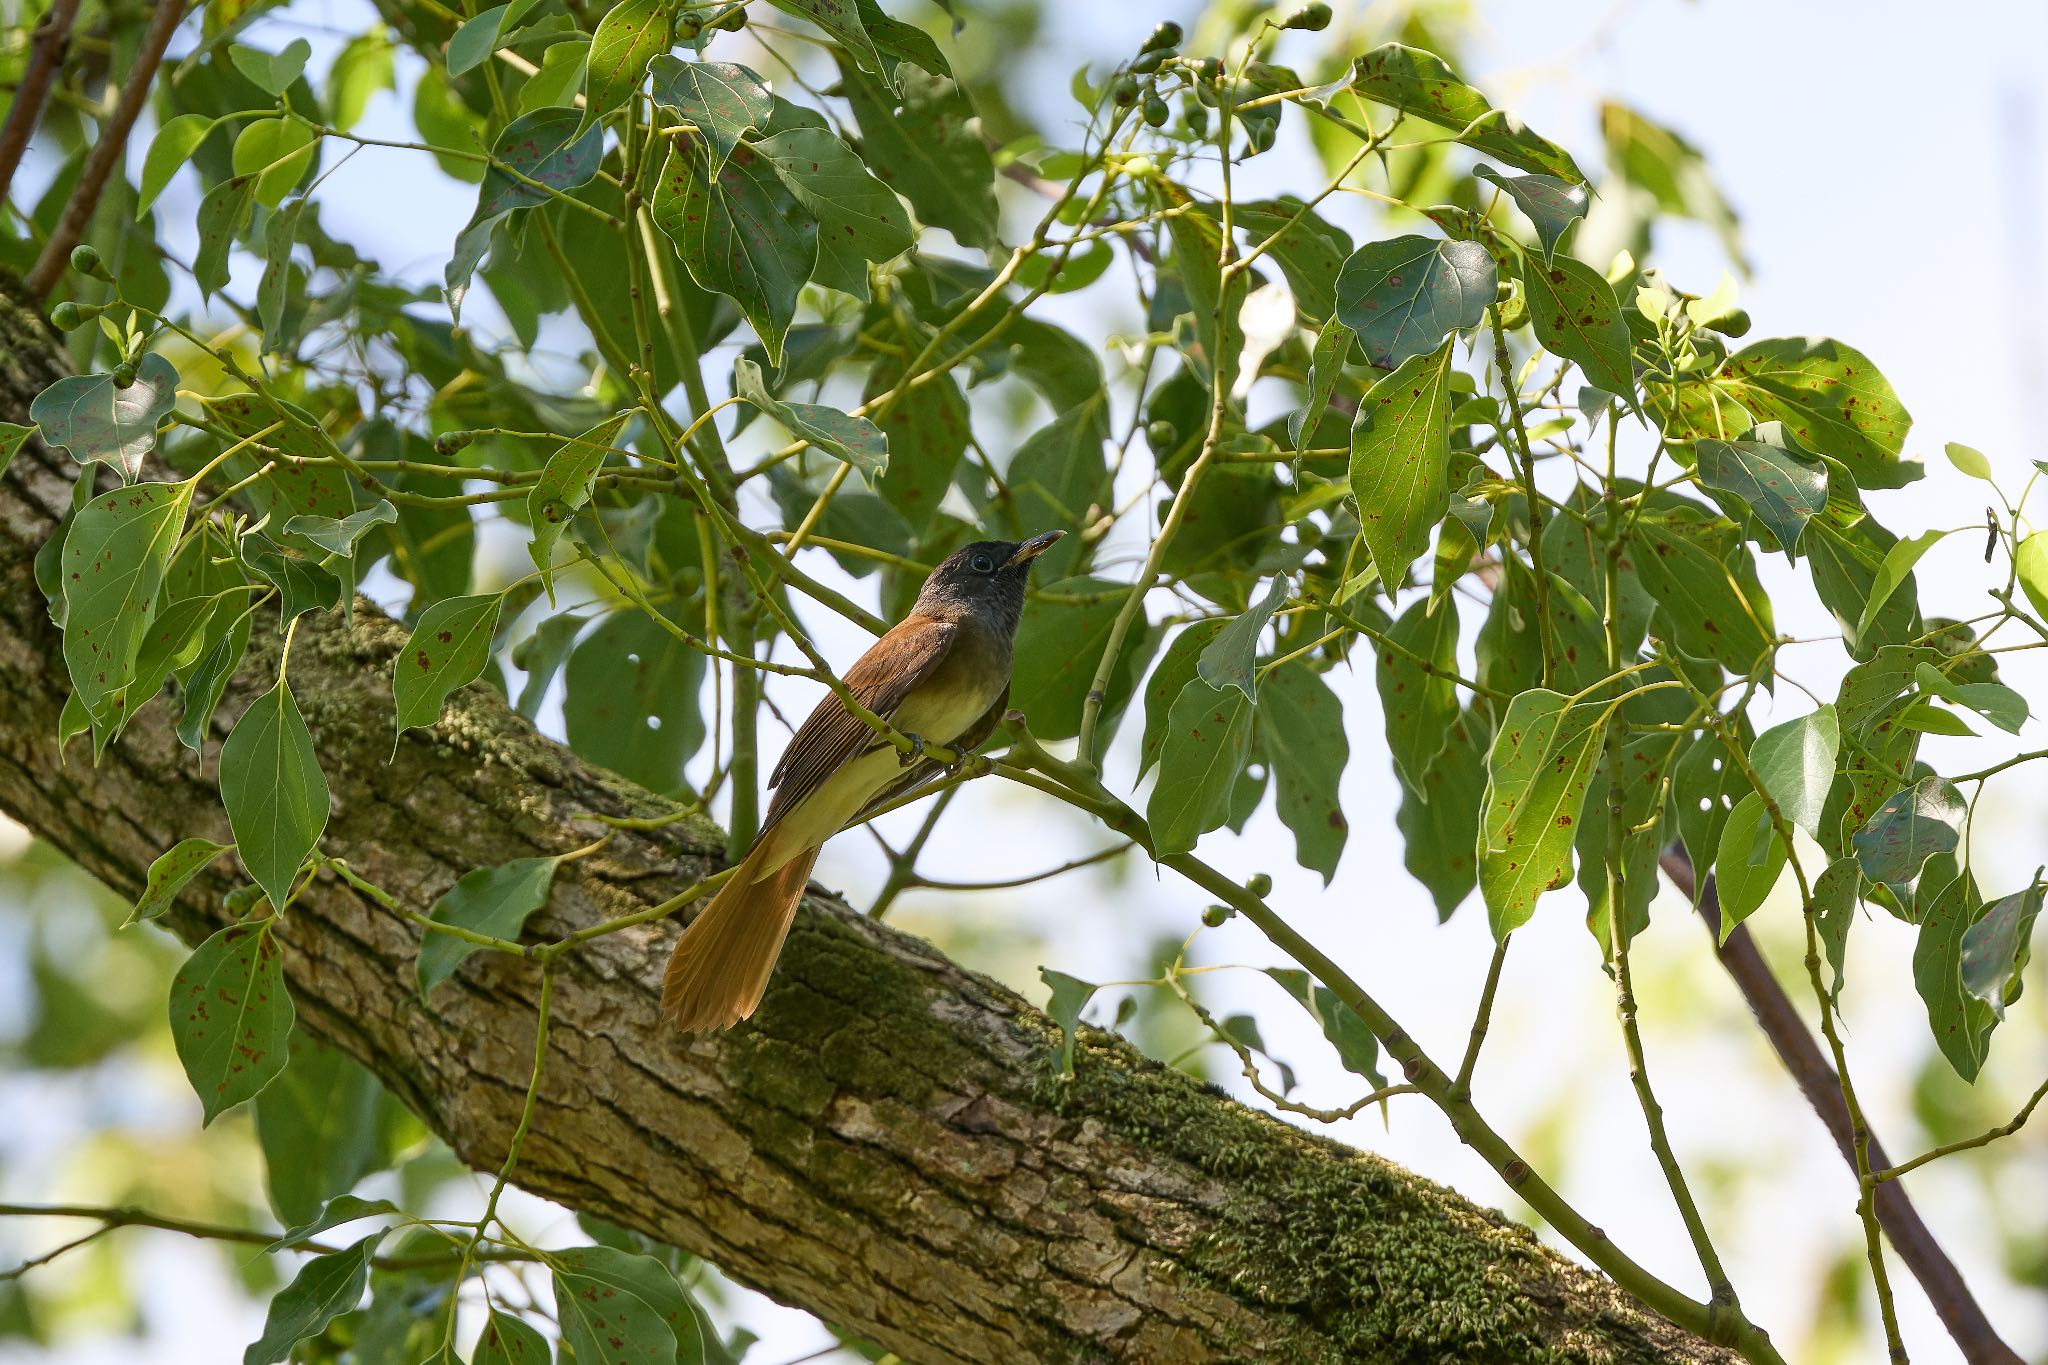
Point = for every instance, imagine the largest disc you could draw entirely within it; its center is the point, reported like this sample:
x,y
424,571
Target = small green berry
x,y
1145,63
1125,90
1198,120
1216,915
1161,435
86,261
734,19
124,376
1155,111
66,316
1166,36
1309,18
1259,884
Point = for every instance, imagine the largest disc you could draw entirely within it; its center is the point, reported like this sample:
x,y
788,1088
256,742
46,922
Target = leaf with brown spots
x,y
926,144
1577,318
722,100
169,874
631,34
1400,461
449,648
1208,736
565,484
1418,83
1962,1023
506,1340
1537,773
1403,296
1417,705
740,232
1705,583
92,418
1831,399
1441,833
620,1309
113,562
231,1016
1301,735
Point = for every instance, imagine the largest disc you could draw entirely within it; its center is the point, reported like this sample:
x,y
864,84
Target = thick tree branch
x,y
886,1145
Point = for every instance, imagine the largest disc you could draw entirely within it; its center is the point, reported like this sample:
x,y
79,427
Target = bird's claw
x,y
916,753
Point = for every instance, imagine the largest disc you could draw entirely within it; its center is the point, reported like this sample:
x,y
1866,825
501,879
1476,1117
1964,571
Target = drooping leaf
x,y
1642,766
223,213
325,1288
114,560
550,147
1961,1021
1231,659
1908,829
1995,702
856,213
740,232
92,418
1403,296
231,1016
564,486
170,874
1705,583
1551,204
1326,367
280,235
1355,1045
1176,669
1208,736
631,34
477,39
275,794
1070,995
208,679
2031,563
1831,399
323,1125
1996,948
486,900
925,143
1418,705
926,432
1785,490
1537,772
449,649
173,147
645,1278
506,1340
1440,834
301,584
723,100
1418,83
1400,460
1835,894
844,21
1577,317
1898,564
1796,763
631,702
1748,864
855,440
1301,735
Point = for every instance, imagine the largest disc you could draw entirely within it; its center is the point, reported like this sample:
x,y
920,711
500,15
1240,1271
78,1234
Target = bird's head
x,y
985,579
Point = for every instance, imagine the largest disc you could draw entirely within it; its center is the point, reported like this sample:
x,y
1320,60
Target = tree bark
x,y
888,1144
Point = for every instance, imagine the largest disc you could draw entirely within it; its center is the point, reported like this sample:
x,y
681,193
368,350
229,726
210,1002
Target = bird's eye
x,y
982,564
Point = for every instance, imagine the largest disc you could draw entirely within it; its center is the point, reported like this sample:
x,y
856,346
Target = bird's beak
x,y
1032,549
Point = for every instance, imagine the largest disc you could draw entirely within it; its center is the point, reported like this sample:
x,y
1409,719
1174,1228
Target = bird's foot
x,y
916,753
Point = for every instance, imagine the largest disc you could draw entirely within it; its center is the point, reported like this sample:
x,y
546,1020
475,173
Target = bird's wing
x,y
925,770
893,666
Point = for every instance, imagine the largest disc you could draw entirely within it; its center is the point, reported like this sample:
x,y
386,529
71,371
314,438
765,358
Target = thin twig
x,y
45,56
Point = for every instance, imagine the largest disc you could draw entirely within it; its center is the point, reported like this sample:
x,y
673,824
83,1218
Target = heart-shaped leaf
x,y
1403,296
723,100
449,648
741,233
91,417
272,72
1551,204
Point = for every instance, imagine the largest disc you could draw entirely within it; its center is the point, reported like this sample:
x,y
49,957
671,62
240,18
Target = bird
x,y
941,675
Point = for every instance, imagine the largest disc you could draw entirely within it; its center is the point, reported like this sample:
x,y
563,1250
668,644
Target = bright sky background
x,y
1886,162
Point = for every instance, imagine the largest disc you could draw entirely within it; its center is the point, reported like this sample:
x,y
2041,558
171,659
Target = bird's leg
x,y
916,754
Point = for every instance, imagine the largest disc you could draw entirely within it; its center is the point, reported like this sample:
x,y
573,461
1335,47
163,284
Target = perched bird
x,y
940,676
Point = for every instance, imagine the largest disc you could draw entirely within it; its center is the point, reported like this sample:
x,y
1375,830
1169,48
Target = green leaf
x,y
542,655
114,561
926,433
1749,862
272,72
1400,461
604,1322
1929,719
560,78
1208,734
1231,660
338,535
2031,563
362,68
632,700
1831,399
323,1125
855,440
1175,671
477,40
631,34
1577,318
1060,644
506,1340
1356,1048
1996,948
1908,829
1418,83
1835,893
1537,772
1970,462
842,19
94,419
276,152
209,679
1301,735
12,437
1058,476
1898,565
1419,706
1961,1021
487,900
1783,489
1671,171
231,1016
1705,584
1402,297
301,584
280,235
564,486
740,232
644,1277
1070,995
1551,204
1326,367
275,794
174,146
854,210
222,215
721,99
1440,825
449,648
926,144
1995,702
340,1210
1796,763
325,1288
549,146
170,874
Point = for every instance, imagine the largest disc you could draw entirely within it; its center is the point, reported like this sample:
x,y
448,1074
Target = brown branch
x,y
1779,1019
45,56
106,151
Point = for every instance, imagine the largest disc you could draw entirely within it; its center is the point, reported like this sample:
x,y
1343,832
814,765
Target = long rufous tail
x,y
721,964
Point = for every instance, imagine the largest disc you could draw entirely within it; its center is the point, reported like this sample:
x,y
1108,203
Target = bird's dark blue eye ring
x,y
983,564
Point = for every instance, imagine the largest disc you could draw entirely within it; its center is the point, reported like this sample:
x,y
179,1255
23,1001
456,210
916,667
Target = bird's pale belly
x,y
941,709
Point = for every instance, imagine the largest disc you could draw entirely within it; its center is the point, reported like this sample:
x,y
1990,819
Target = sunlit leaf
x,y
1230,660
1796,763
855,440
1400,457
1908,829
1419,704
564,486
1418,83
92,418
1749,862
449,649
1403,296
1783,489
1996,948
1577,317
169,152
723,100
740,232
1537,772
114,561
1961,1021
1551,204
631,34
